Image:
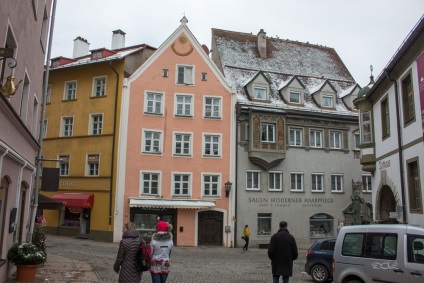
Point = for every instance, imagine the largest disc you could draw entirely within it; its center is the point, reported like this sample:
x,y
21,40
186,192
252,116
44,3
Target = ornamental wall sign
x,y
182,40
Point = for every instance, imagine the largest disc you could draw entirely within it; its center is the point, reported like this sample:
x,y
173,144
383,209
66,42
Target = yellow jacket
x,y
246,232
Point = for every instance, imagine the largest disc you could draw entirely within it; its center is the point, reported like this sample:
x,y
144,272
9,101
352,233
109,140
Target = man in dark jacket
x,y
282,250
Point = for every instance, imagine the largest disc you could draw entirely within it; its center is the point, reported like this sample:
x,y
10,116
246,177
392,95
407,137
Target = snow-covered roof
x,y
312,65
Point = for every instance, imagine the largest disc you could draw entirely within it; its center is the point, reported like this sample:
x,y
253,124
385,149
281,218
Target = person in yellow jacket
x,y
246,234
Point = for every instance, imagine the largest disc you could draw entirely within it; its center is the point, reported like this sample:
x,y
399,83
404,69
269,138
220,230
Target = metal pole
x,y
41,131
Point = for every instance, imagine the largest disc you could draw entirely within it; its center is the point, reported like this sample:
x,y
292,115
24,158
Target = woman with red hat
x,y
160,248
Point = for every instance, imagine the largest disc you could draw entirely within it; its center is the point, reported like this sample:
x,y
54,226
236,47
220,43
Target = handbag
x,y
243,237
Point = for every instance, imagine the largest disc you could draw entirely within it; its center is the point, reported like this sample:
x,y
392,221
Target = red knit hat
x,y
162,226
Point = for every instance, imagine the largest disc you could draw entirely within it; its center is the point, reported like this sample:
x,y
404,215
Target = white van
x,y
379,253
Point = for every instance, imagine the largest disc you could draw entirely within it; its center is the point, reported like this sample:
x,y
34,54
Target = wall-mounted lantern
x,y
8,88
228,186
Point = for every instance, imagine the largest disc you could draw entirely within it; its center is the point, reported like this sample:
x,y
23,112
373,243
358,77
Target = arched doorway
x,y
210,228
386,204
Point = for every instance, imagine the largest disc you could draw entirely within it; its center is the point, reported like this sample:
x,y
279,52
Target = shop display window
x,y
72,217
264,224
146,223
321,226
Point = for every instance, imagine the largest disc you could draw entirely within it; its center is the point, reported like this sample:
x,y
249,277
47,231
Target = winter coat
x,y
125,262
160,248
282,250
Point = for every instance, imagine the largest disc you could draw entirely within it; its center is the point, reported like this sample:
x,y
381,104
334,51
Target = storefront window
x,y
264,223
72,217
321,226
145,220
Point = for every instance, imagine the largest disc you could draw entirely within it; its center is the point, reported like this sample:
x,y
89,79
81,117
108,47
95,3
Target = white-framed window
x,y
93,164
268,132
317,182
385,117
153,103
165,73
149,183
366,183
183,105
212,107
315,138
337,183
70,90
275,181
264,224
253,180
260,93
96,124
335,140
366,127
296,136
204,76
296,182
328,101
99,86
152,141
181,184
182,144
185,75
67,126
97,55
44,128
357,138
211,184
294,97
63,165
211,145
49,93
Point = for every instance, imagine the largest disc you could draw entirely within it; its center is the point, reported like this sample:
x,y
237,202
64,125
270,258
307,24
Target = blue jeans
x,y
276,277
159,278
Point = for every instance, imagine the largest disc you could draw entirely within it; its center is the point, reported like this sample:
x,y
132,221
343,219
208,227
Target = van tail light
x,y
333,264
308,254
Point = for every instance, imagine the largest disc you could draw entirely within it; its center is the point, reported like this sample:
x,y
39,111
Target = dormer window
x,y
96,55
327,101
294,97
55,63
259,93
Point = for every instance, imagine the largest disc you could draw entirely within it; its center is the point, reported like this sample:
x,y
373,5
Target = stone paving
x,y
86,261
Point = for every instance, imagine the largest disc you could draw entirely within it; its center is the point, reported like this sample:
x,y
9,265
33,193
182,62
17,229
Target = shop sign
x,y
287,202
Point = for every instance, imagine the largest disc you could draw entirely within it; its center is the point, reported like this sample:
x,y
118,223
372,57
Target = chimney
x,y
262,43
118,39
81,47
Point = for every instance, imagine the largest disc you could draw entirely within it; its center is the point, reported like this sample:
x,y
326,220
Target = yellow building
x,y
81,129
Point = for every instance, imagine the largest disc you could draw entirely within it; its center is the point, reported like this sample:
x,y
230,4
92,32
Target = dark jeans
x,y
159,278
246,245
276,277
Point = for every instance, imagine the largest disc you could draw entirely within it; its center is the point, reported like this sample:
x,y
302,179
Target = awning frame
x,y
179,204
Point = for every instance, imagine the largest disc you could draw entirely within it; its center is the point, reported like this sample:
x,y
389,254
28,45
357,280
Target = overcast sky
x,y
363,32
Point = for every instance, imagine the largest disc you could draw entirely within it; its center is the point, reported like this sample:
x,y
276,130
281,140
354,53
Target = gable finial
x,y
184,20
371,77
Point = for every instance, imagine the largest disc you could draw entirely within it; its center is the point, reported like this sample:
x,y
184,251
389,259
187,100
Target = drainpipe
x,y
113,147
399,129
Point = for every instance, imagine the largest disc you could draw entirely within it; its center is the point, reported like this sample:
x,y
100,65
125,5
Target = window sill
x,y
69,100
100,96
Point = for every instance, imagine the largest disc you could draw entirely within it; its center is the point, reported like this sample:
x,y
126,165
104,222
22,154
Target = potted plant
x,y
27,257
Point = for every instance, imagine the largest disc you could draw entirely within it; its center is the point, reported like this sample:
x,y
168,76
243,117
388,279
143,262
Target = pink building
x,y
24,27
176,148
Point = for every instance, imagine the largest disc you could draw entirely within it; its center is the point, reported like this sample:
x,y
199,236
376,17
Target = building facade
x,y
297,136
23,43
175,156
81,132
392,126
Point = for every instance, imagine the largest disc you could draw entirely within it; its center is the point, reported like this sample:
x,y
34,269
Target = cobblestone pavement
x,y
188,264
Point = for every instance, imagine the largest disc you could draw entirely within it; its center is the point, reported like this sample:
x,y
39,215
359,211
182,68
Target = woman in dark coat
x,y
125,262
282,250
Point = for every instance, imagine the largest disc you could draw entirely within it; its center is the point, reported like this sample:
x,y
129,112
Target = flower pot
x,y
26,273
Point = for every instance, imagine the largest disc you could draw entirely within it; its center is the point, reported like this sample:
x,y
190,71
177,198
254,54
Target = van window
x,y
353,245
416,249
381,246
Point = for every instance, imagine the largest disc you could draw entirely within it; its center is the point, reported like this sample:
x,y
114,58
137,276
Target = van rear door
x,y
415,258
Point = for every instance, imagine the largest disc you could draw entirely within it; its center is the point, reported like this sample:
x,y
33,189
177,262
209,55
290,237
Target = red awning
x,y
75,199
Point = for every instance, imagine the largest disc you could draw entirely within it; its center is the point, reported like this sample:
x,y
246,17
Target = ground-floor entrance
x,y
210,228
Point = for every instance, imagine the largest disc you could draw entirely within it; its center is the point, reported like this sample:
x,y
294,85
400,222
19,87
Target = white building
x,y
392,133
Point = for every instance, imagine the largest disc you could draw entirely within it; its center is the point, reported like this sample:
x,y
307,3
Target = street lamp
x,y
228,186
